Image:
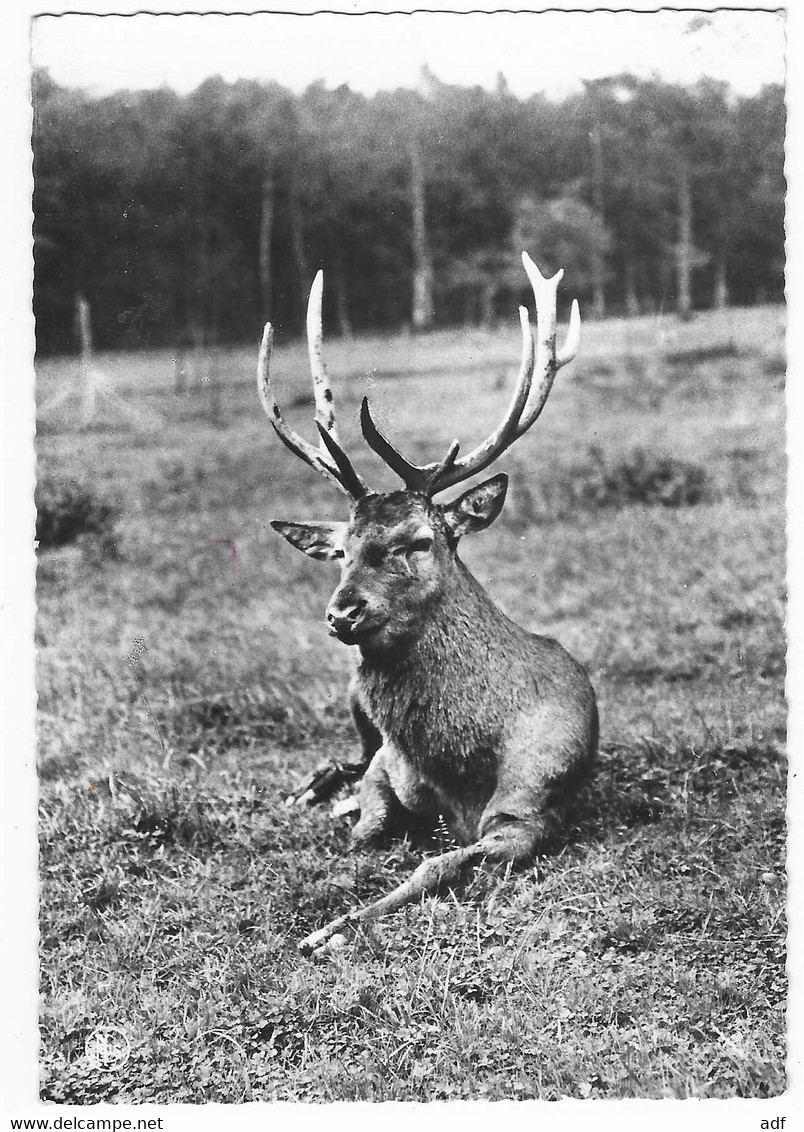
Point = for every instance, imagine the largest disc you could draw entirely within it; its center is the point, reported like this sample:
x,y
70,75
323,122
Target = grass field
x,y
186,687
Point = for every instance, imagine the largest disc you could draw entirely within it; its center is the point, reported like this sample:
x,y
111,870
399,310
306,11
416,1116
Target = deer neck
x,y
456,633
437,700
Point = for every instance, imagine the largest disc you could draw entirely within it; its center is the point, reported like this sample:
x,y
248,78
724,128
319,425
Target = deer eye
x,y
338,553
374,556
420,546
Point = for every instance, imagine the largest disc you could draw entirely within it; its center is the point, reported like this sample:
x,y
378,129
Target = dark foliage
x,y
66,511
639,478
184,219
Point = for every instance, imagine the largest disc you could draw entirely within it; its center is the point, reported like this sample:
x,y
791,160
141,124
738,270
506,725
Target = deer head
x,y
398,550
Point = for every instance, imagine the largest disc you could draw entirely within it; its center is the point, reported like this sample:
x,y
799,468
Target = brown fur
x,y
463,714
480,722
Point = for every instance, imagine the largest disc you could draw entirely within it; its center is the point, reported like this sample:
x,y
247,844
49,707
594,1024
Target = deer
x,y
465,717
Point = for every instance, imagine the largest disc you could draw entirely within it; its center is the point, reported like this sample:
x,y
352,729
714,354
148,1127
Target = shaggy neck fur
x,y
443,701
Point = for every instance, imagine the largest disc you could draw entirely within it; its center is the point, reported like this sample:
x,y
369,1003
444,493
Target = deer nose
x,y
346,616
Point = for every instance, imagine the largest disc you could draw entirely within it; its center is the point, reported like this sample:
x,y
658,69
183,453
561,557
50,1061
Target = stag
x,y
465,717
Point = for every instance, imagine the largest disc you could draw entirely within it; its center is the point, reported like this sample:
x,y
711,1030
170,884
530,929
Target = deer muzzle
x,y
346,618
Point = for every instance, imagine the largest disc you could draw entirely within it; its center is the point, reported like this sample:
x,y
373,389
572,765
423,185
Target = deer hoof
x,y
368,832
337,943
346,806
325,950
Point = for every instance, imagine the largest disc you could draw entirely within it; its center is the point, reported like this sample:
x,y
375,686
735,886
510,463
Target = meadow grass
x,y
184,690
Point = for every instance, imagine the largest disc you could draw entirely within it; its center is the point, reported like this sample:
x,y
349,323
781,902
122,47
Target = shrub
x,y
640,477
66,511
702,355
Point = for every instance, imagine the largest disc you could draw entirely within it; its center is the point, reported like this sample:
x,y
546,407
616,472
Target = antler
x,y
329,458
523,410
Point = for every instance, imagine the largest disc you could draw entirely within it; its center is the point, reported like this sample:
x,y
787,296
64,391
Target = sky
x,y
550,51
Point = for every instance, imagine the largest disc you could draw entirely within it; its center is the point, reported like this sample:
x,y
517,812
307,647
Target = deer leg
x,y
427,877
510,840
370,736
390,794
329,777
379,806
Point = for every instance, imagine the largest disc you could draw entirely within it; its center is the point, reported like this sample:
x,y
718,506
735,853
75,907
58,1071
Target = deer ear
x,y
323,541
477,508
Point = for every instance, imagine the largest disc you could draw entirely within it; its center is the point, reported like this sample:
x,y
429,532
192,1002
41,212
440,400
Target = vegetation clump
x,y
639,477
65,511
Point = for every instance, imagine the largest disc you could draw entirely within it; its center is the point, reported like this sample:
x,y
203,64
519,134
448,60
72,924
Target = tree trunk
x,y
297,245
469,306
721,284
598,290
632,307
180,370
599,199
204,283
83,322
266,232
684,246
341,304
422,259
486,304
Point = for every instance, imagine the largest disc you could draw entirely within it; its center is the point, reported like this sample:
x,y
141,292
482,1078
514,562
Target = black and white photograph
x,y
410,557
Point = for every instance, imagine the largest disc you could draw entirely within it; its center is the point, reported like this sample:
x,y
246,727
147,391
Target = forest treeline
x,y
191,219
